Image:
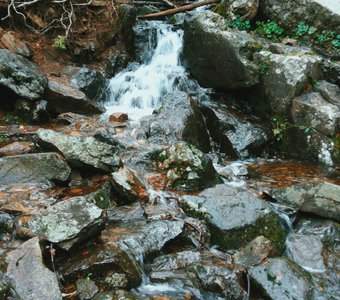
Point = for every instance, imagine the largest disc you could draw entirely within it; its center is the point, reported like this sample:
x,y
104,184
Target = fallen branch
x,y
178,9
168,3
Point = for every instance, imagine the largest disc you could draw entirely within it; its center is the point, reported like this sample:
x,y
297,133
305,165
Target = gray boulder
x,y
179,119
329,91
33,168
91,82
235,216
321,198
306,251
281,279
235,135
86,289
286,76
311,110
68,222
187,167
323,14
21,76
29,278
216,57
81,150
63,98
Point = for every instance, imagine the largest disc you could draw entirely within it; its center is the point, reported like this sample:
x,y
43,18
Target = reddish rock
x,y
15,148
118,117
13,44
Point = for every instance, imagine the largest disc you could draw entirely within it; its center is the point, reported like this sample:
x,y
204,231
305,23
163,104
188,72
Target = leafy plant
x,y
280,126
324,36
269,29
238,23
11,119
264,65
301,29
59,42
336,42
2,138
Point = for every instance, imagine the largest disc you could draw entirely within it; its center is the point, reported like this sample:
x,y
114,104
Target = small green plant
x,y
264,65
238,23
59,42
324,36
2,138
269,29
301,29
336,42
11,119
280,126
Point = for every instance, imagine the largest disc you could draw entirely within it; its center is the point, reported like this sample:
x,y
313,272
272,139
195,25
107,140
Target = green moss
x,y
220,9
269,226
194,212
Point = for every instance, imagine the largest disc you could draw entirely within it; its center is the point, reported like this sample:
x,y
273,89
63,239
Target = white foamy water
x,y
140,91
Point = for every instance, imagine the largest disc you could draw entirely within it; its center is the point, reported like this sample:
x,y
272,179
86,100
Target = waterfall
x,y
139,91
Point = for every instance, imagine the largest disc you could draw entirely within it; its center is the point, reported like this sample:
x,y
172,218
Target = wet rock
x,y
118,117
235,216
86,289
116,280
126,213
306,251
16,148
12,43
205,33
21,76
219,279
179,119
127,185
330,92
81,151
255,252
320,198
115,63
101,197
234,135
6,223
32,112
311,110
68,222
331,71
29,278
115,295
320,13
176,261
4,287
122,249
128,14
33,168
91,82
285,77
281,279
187,167
63,98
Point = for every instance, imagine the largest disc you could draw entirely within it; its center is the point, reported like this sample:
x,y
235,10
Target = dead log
x,y
178,9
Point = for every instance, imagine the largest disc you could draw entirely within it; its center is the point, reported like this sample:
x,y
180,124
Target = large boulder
x,y
179,119
29,278
235,135
81,150
216,57
33,168
329,91
311,110
68,222
63,98
323,14
90,81
235,216
21,76
321,198
285,76
187,167
281,279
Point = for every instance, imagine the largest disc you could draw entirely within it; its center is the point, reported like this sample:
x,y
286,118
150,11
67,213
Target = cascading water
x,y
139,91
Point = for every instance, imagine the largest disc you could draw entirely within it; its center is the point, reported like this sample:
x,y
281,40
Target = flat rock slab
x,y
68,222
21,75
33,168
29,277
63,98
81,150
235,216
281,279
321,198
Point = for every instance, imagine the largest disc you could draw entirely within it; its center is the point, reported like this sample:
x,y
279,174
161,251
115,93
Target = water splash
x,y
325,155
138,92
